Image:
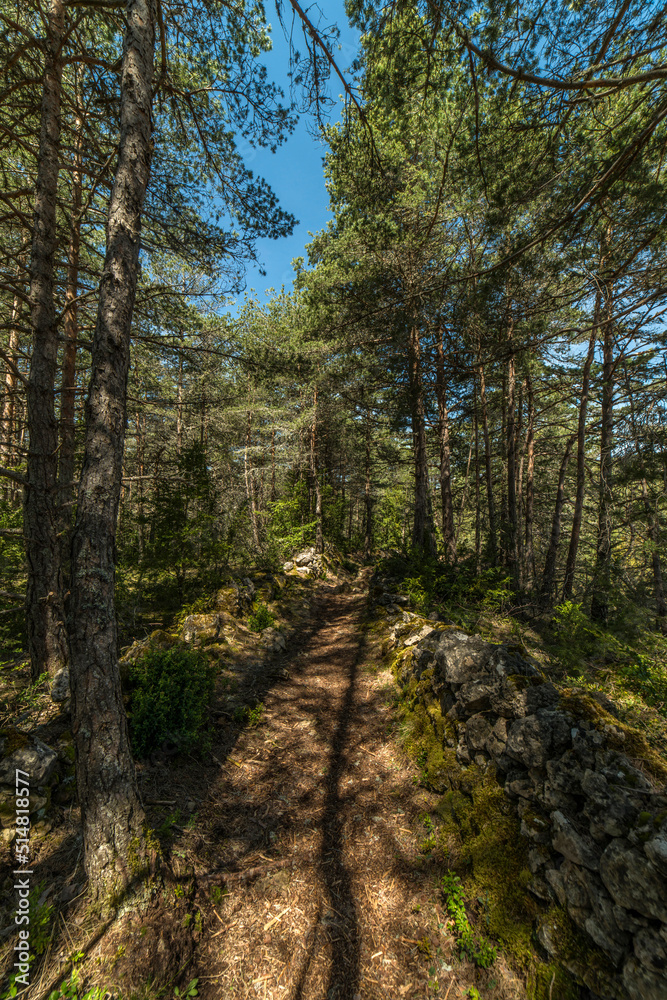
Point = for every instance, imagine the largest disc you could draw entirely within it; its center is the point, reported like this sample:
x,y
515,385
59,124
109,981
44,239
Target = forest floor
x,y
320,816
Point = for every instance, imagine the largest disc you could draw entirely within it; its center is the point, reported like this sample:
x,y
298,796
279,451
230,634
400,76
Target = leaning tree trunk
x,y
47,640
111,812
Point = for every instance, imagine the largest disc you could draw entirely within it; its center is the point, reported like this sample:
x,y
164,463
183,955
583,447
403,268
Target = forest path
x,y
319,813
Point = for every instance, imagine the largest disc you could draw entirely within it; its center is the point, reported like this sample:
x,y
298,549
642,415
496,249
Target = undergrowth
x,y
170,693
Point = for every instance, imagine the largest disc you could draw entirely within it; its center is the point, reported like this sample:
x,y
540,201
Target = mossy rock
x,y
12,739
618,735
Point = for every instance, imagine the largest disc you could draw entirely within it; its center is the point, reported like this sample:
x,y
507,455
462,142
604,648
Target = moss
x,y
14,740
520,682
619,736
546,980
575,951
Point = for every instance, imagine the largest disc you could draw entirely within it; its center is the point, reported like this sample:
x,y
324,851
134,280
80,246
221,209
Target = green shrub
x,y
261,618
171,692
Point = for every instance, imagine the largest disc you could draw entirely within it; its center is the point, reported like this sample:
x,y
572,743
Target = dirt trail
x,y
319,809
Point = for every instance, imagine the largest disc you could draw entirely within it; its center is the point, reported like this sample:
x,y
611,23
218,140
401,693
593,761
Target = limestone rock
x,y
478,729
33,756
461,657
60,686
656,852
574,846
633,881
642,983
535,738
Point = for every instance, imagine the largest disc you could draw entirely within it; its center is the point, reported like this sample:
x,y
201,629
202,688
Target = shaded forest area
x,y
466,384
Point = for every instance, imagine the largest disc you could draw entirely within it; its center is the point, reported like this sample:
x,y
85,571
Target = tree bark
x,y
488,468
422,528
478,508
653,525
7,424
549,574
601,578
571,563
368,496
448,530
68,384
512,519
314,474
47,640
250,493
529,552
114,847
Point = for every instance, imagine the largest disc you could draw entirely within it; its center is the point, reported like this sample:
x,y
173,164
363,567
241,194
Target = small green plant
x,y
171,691
166,826
473,993
72,988
250,716
41,918
478,950
189,991
30,695
261,617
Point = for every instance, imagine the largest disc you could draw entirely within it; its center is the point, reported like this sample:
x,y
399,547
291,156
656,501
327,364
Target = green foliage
x,y
72,989
260,618
250,716
478,949
41,918
576,635
171,690
289,524
189,991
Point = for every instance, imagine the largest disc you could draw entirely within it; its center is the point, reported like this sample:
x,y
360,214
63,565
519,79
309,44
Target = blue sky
x,y
295,170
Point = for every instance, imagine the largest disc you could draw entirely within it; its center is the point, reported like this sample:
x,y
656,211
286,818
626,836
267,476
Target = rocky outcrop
x,y
305,563
594,814
49,775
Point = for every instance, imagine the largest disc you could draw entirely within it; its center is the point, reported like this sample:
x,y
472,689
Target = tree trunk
x,y
478,509
512,519
273,464
47,640
448,531
8,422
114,847
488,468
250,494
422,529
571,563
529,552
319,537
549,574
68,384
600,597
368,497
653,524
